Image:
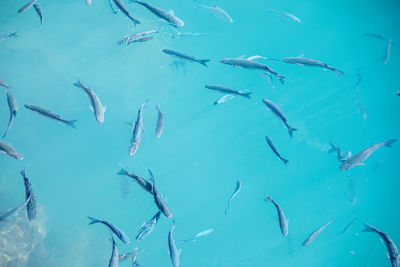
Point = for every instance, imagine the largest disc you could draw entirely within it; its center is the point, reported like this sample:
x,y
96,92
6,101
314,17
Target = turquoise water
x,y
204,149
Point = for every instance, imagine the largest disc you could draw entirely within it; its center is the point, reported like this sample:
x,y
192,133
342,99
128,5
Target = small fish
x,y
218,12
160,122
301,61
39,11
167,16
119,233
114,254
137,131
237,190
6,36
160,203
11,212
26,6
173,251
340,155
388,44
31,206
348,226
394,255
88,2
136,37
148,227
285,14
2,83
359,158
51,115
10,151
13,107
278,112
283,223
376,36
227,90
96,107
142,182
197,236
314,234
272,146
122,7
130,255
186,57
223,99
398,93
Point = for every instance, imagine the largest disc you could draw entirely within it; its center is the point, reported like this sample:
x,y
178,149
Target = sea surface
x,y
204,148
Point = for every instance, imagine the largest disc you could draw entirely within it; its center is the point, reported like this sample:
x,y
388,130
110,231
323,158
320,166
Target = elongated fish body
x,y
314,234
51,115
114,254
359,158
394,255
301,61
272,146
31,205
137,131
119,233
160,203
278,112
148,227
167,16
137,37
283,223
285,14
13,107
186,57
224,98
6,36
15,210
348,226
398,93
2,83
227,90
219,12
173,251
197,236
142,182
39,11
122,7
10,151
26,6
237,190
340,155
97,108
160,122
386,52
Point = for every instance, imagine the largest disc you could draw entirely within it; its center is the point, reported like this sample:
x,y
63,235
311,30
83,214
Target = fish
x,y
197,236
130,255
158,199
250,63
88,2
218,12
114,254
39,11
13,107
272,146
285,14
32,205
314,234
301,61
148,187
386,52
283,223
11,212
6,36
137,37
137,131
223,99
119,233
359,158
376,36
398,93
348,226
393,252
26,6
340,154
167,16
2,83
10,151
122,7
227,90
278,112
148,227
174,253
160,122
185,57
237,190
51,115
96,107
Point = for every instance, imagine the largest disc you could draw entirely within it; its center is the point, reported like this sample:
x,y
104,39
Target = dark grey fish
x,y
272,146
137,130
114,254
278,112
6,36
340,155
314,234
394,255
348,226
2,83
96,107
39,11
237,190
173,251
26,6
11,212
148,227
10,151
359,158
301,61
51,115
227,90
186,57
160,122
119,233
158,199
13,107
31,206
283,223
142,182
122,7
167,16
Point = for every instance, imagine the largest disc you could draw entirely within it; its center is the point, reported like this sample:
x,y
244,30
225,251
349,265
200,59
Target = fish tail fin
x,y
135,21
268,198
13,35
72,123
337,72
280,78
285,161
78,83
291,130
247,95
92,220
5,133
332,148
390,142
122,171
203,62
368,228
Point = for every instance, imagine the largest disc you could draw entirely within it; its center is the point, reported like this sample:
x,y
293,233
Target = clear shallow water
x,y
204,148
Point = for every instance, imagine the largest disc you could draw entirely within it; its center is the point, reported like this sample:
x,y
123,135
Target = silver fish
x,y
15,210
278,112
359,158
13,107
119,233
6,36
132,256
285,14
10,151
114,254
301,61
137,131
272,146
340,155
39,11
2,83
218,12
197,236
160,122
388,44
122,7
394,255
283,223
51,115
142,182
227,90
237,190
31,206
96,107
26,6
223,99
173,251
314,234
167,16
148,227
160,203
140,36
186,57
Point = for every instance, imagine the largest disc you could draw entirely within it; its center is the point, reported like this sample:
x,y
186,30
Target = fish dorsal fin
x,y
179,251
241,57
105,108
349,155
256,57
171,12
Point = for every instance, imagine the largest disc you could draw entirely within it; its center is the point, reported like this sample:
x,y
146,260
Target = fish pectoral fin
x,y
360,164
349,155
170,11
179,251
242,57
105,108
299,64
91,108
